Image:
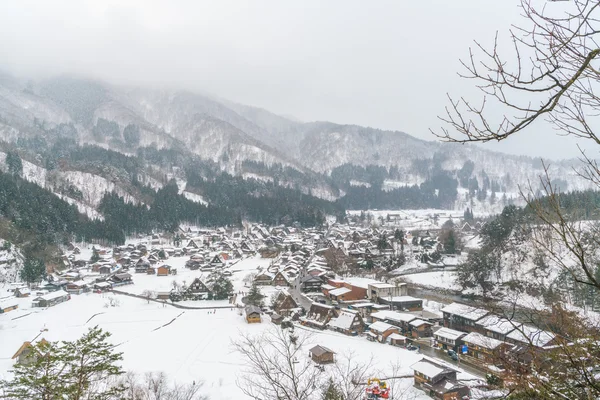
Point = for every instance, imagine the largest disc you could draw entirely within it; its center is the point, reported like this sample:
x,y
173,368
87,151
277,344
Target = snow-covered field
x,y
439,279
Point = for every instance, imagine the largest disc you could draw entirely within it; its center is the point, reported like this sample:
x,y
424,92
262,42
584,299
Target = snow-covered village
x,y
383,300
299,200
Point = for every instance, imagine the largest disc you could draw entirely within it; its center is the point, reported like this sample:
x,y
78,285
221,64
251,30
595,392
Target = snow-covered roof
x,y
527,334
482,341
393,316
396,336
53,295
382,285
360,282
465,311
428,369
497,324
380,326
327,287
448,333
404,299
419,322
344,321
340,291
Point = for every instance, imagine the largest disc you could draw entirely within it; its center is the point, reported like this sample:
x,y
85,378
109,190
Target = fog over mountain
x,y
387,65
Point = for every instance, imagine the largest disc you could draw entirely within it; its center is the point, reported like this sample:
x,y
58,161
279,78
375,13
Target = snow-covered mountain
x,y
232,134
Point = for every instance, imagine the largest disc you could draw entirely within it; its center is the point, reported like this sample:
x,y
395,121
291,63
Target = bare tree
x,y
552,75
277,367
156,386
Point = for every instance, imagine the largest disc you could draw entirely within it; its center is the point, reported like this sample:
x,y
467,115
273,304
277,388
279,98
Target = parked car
x,y
411,347
453,355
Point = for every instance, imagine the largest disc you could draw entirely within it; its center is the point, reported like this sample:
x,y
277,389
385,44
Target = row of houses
x,y
483,336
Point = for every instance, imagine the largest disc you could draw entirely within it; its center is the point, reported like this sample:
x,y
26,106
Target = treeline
x,y
52,220
440,191
165,212
261,201
575,205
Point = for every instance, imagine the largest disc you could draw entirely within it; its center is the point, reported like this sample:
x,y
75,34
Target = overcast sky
x,y
385,64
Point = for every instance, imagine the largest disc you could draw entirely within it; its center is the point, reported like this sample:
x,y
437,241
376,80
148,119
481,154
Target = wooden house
x,y
284,303
322,355
264,278
348,322
381,330
319,315
22,292
397,339
163,270
77,287
438,380
281,279
151,271
311,283
463,318
420,328
197,287
276,319
121,279
218,261
51,299
252,314
448,339
483,349
27,354
7,306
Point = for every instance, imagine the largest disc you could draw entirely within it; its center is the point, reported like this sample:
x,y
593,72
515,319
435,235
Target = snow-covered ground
x,y
439,279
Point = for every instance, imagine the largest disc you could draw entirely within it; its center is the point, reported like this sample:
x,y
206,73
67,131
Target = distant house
x,y
438,380
51,299
406,303
26,353
420,329
380,331
321,355
311,283
462,317
378,290
396,339
264,278
163,270
22,292
218,261
151,271
448,339
77,287
401,320
319,315
280,279
276,319
284,303
8,306
198,288
121,279
497,327
252,314
349,322
482,348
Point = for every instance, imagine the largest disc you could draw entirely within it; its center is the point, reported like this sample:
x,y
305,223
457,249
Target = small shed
x,y
163,295
163,270
22,292
321,355
276,319
252,314
51,299
8,306
397,340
